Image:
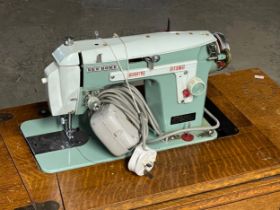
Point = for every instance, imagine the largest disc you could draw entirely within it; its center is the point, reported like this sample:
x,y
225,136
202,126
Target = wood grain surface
x,y
12,191
257,99
41,186
191,177
222,197
267,202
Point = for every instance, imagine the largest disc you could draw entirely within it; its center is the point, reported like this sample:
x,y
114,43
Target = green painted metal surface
x,y
160,93
93,152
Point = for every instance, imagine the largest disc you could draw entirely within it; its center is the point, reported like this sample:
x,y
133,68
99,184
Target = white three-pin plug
x,y
142,160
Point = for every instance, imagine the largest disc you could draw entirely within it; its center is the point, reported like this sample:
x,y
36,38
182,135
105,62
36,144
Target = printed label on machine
x,y
184,72
190,67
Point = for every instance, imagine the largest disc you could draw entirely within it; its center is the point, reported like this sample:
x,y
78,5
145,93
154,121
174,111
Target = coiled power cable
x,y
121,98
128,99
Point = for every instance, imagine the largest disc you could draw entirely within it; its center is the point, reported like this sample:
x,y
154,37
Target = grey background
x,y
32,29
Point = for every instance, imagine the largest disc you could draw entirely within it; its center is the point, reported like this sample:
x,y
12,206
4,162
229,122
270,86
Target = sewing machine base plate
x,y
90,153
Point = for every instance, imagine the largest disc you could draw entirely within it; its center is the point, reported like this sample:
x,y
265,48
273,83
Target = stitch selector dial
x,y
196,86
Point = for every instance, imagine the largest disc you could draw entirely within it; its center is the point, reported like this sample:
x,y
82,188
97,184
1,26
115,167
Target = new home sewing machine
x,y
100,114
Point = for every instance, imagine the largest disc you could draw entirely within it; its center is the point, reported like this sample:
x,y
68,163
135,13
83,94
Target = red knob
x,y
187,137
186,93
221,64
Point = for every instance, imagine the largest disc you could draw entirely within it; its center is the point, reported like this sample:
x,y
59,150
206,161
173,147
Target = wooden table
x,y
241,171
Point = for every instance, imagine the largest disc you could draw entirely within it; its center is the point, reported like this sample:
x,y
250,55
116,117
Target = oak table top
x,y
198,176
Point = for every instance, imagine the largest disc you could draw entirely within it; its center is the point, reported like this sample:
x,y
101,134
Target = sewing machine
x,y
172,68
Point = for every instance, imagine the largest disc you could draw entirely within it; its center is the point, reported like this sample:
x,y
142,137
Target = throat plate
x,y
55,141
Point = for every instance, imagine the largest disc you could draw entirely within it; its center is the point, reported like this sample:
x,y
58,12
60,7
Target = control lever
x,y
152,60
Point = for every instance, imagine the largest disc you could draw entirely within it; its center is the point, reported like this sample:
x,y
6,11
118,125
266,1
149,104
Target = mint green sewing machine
x,y
172,68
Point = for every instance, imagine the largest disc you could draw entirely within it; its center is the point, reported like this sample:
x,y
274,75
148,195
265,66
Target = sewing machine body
x,y
86,67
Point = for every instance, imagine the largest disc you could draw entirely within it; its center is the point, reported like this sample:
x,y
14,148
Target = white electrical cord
x,y
123,102
128,99
144,115
143,158
120,97
120,66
